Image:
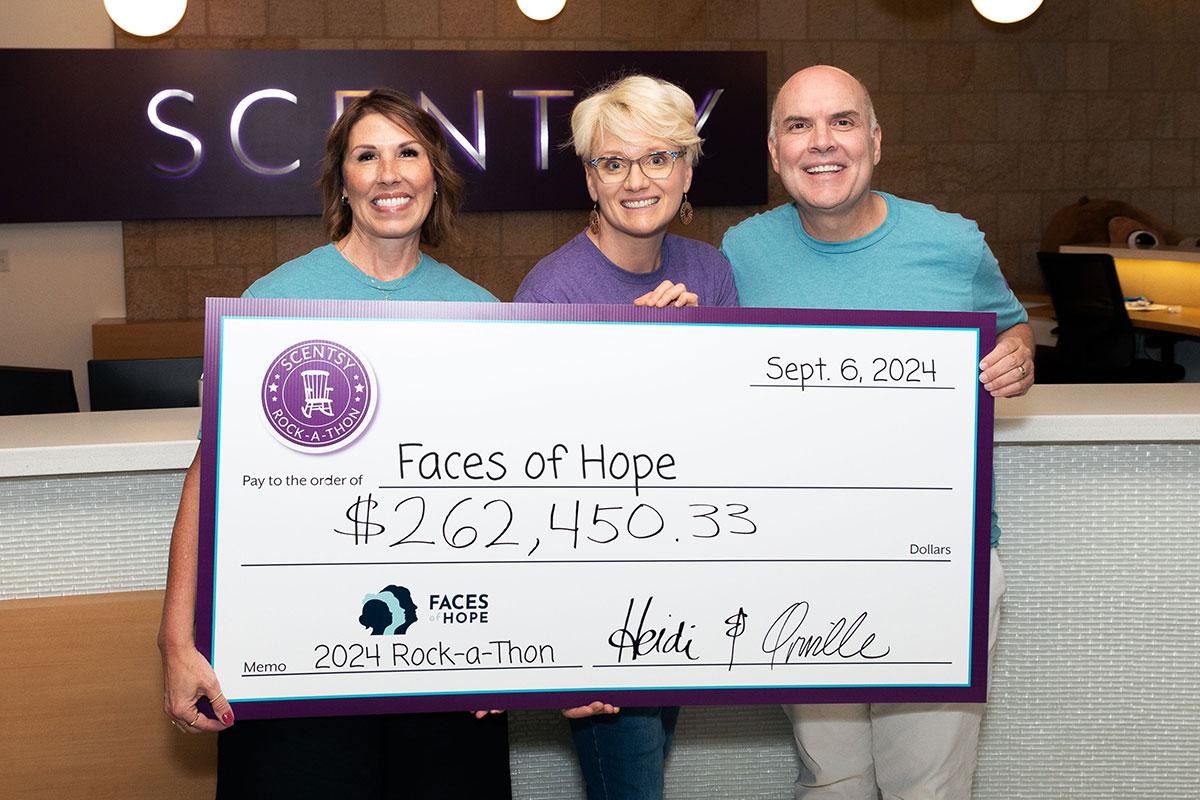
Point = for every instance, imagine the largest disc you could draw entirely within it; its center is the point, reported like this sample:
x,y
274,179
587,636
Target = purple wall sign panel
x,y
168,134
218,454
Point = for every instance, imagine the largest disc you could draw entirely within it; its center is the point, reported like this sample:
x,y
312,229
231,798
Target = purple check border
x,y
218,308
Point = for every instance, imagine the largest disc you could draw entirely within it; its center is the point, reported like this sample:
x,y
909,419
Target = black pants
x,y
407,756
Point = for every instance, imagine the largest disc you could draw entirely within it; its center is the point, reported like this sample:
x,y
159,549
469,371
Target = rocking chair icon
x,y
317,393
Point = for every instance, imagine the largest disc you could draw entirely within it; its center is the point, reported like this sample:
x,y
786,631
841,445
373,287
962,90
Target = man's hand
x,y
1007,371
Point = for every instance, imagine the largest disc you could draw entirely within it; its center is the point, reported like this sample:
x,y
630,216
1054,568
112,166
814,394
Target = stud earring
x,y
594,220
686,211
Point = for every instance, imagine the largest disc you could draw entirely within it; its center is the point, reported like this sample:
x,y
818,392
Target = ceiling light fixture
x,y
1006,10
541,9
145,17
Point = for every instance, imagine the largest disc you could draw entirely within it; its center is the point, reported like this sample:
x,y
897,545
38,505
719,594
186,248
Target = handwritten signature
x,y
785,635
647,638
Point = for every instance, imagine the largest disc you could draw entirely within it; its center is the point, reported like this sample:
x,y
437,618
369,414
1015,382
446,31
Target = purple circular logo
x,y
318,395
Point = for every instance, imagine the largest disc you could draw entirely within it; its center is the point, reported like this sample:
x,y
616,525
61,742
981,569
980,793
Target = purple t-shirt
x,y
578,272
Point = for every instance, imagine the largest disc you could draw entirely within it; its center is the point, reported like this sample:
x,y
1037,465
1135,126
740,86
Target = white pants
x,y
902,751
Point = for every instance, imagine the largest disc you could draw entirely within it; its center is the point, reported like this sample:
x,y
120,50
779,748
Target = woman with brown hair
x,y
388,187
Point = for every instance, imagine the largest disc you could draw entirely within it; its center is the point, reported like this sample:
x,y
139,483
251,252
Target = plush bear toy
x,y
1111,221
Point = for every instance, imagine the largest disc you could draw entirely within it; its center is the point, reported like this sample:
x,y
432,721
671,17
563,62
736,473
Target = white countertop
x,y
165,438
100,441
1130,412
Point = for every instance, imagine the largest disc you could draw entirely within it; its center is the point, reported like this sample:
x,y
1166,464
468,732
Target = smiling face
x,y
824,149
639,207
387,180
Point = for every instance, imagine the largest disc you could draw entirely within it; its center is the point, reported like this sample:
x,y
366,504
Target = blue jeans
x,y
622,755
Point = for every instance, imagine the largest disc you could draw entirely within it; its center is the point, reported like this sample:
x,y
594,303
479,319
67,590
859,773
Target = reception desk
x,y
1094,692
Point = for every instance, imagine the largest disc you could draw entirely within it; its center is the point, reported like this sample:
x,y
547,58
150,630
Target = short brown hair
x,y
402,110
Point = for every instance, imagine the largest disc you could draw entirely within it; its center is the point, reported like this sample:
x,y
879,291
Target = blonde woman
x,y
637,140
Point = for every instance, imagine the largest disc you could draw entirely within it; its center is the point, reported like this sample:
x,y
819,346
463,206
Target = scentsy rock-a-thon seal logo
x,y
318,395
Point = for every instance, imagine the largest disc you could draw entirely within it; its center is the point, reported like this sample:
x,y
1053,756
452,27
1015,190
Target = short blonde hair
x,y
636,104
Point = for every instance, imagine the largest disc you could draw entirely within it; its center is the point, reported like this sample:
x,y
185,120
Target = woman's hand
x,y
668,294
590,711
187,676
482,714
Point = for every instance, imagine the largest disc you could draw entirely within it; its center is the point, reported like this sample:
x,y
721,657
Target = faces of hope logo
x,y
318,395
388,612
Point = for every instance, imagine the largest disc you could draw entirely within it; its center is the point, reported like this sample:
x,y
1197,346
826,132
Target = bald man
x,y
840,244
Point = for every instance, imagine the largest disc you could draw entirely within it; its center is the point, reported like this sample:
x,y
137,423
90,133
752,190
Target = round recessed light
x,y
1006,10
541,9
145,17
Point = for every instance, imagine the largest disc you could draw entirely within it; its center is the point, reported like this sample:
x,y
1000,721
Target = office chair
x,y
30,390
1096,340
119,384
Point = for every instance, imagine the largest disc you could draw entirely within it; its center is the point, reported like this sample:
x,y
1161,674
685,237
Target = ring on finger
x,y
194,719
1021,367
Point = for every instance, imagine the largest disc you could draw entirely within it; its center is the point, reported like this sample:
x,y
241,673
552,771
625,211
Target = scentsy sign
x,y
133,134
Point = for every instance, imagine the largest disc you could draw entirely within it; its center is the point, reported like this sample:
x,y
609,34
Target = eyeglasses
x,y
614,169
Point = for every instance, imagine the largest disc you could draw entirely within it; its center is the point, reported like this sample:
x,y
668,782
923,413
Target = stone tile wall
x,y
1003,124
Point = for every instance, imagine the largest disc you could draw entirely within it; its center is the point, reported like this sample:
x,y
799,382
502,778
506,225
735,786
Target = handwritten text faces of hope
x,y
720,523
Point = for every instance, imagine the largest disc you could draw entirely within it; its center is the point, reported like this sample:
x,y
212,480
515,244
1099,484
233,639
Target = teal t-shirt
x,y
919,259
324,274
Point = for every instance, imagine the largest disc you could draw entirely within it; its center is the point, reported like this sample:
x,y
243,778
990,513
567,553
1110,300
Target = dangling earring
x,y
685,211
594,220
345,200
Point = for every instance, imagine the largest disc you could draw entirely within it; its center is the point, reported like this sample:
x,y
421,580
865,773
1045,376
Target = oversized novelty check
x,y
437,506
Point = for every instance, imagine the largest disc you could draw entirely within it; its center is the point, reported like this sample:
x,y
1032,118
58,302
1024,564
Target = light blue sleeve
x,y
990,292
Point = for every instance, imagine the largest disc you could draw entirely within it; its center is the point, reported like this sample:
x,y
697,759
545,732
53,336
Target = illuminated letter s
x,y
170,130
235,130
